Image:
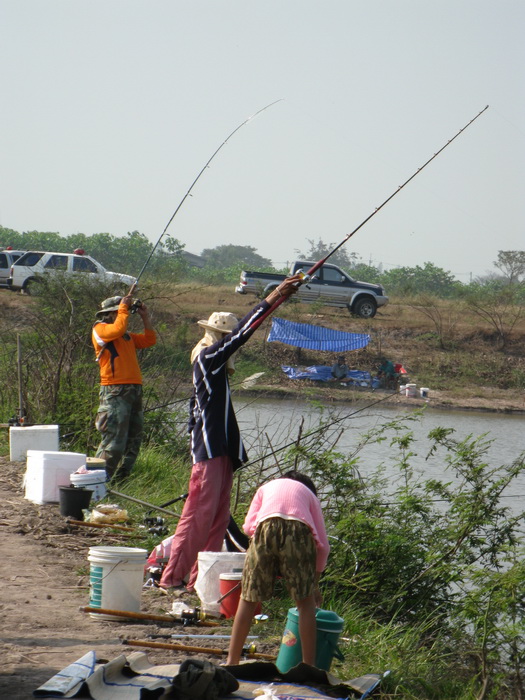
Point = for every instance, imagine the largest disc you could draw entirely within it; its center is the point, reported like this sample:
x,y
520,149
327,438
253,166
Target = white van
x,y
7,258
33,264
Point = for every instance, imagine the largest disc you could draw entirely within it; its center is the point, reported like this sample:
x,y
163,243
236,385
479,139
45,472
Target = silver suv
x,y
33,264
7,258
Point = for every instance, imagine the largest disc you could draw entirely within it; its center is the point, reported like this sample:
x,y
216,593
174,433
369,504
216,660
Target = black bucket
x,y
73,500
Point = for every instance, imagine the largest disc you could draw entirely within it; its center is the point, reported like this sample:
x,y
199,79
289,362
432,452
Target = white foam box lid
x,y
22,438
47,471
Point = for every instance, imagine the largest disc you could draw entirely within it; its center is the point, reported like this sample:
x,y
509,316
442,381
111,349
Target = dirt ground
x,y
45,582
44,561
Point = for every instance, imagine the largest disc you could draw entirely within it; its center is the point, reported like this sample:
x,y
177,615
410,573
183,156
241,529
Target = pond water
x,y
270,423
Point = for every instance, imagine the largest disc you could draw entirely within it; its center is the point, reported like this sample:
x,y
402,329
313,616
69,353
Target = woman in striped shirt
x,y
216,445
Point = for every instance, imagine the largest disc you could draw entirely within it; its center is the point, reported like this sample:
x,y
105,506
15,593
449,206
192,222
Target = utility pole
x,y
20,412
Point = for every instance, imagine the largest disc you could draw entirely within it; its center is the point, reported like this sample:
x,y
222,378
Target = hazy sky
x,y
110,108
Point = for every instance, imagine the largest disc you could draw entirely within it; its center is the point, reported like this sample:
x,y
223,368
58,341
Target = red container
x,y
227,583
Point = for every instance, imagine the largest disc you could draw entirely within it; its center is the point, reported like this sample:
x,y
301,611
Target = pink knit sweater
x,y
291,500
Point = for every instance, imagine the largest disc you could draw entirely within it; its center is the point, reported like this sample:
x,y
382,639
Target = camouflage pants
x,y
120,419
279,548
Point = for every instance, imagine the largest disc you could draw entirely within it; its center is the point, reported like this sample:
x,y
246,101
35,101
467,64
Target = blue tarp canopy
x,y
304,335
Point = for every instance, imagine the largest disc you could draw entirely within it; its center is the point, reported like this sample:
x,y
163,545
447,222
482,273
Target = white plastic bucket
x,y
403,389
423,392
115,579
211,566
95,480
411,391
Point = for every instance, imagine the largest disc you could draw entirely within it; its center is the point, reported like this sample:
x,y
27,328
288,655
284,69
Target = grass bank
x,y
430,584
412,578
443,344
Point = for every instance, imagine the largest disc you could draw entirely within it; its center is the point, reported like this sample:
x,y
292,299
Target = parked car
x,y
330,285
7,258
27,270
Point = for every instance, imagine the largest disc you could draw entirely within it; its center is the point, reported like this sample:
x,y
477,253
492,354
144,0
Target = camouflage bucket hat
x,y
110,304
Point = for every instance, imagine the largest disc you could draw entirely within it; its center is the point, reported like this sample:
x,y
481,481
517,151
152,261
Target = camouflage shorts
x,y
283,548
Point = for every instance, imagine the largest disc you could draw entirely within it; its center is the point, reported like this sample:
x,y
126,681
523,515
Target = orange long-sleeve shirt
x,y
118,360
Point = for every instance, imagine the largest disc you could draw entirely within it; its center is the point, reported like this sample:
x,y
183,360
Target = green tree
x,y
319,249
512,264
9,237
428,279
501,307
34,240
229,255
125,254
443,315
366,273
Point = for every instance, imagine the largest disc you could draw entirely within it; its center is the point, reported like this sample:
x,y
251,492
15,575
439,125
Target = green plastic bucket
x,y
329,626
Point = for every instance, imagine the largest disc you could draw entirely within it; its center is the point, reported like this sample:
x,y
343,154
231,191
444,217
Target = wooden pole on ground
x,y
150,506
196,650
145,616
83,523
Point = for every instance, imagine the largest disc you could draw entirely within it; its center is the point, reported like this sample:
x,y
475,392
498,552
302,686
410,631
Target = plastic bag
x,y
266,692
108,513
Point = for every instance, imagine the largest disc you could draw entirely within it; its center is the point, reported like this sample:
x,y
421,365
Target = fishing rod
x,y
232,525
310,433
193,185
306,276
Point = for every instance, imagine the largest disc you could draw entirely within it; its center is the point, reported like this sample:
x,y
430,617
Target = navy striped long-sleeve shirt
x,y
212,423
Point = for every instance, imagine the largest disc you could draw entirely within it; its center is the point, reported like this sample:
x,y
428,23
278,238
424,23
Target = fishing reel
x,y
154,576
159,531
305,278
191,616
17,421
135,304
156,525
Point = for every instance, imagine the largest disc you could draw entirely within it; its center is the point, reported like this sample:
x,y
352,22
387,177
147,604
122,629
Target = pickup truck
x,y
330,285
32,265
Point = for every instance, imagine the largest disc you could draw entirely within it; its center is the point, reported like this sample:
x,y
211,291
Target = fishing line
x,y
188,397
308,275
311,433
314,431
207,164
294,442
317,265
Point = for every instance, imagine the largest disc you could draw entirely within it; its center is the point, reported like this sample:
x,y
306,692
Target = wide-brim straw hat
x,y
221,321
108,305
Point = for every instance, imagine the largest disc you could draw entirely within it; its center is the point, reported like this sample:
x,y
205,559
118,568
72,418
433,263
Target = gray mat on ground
x,y
133,677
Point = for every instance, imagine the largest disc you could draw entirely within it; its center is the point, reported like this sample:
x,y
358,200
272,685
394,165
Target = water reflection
x,y
273,423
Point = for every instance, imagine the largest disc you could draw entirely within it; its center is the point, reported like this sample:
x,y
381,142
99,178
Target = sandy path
x,y
44,582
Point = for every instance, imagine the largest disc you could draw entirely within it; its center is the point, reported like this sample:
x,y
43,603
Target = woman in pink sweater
x,y
289,540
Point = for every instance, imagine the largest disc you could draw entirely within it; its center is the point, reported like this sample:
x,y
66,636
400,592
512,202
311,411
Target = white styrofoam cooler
x,y
31,437
46,471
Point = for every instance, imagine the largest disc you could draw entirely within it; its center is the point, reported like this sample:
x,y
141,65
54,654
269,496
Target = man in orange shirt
x,y
120,417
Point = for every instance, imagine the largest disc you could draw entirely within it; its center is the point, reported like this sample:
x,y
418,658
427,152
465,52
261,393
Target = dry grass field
x,y
443,345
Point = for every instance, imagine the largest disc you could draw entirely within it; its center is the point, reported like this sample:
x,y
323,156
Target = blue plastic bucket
x,y
329,626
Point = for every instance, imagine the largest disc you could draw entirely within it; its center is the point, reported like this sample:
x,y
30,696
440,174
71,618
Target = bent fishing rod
x,y
207,164
309,273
